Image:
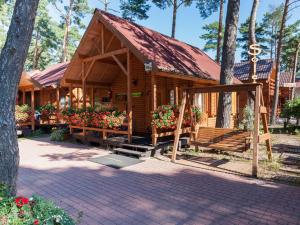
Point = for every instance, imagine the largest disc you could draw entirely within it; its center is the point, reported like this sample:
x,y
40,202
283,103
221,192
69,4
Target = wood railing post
x,y
32,110
129,98
154,106
256,130
178,126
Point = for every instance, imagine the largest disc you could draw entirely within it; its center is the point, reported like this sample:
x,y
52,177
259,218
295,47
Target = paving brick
x,y
150,193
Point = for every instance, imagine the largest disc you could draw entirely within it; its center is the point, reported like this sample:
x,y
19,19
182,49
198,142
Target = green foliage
x,y
49,108
58,135
211,36
243,39
291,109
6,10
132,9
37,133
246,122
271,22
45,40
36,210
197,113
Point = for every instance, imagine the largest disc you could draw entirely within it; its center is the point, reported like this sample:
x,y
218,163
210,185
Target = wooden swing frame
x,y
260,112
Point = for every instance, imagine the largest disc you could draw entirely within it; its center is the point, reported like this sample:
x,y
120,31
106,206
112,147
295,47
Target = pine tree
x,y
72,12
6,10
139,8
12,59
228,58
45,41
243,39
211,36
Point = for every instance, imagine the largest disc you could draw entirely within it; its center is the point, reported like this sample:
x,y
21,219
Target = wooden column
x,y
154,105
129,98
92,97
57,104
23,97
71,95
178,127
32,109
256,131
176,94
83,85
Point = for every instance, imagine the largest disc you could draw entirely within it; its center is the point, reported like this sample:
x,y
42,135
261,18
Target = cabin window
x,y
199,101
172,97
62,102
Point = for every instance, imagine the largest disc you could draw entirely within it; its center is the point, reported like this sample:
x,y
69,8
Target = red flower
x,y
36,222
20,201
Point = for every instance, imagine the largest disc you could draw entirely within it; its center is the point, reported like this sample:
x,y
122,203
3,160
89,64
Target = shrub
x,y
58,135
246,123
291,109
27,211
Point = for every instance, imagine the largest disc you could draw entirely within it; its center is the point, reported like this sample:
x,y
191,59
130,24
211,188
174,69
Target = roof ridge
x,y
157,32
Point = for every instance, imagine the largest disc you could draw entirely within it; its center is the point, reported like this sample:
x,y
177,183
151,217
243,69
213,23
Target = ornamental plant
x,y
31,211
47,110
95,117
23,113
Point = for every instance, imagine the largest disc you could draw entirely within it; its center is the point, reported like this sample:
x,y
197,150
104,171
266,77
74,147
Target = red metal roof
x,y
167,54
52,75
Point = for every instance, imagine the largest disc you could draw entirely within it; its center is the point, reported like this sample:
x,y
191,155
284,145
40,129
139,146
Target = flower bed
x,y
31,211
47,111
93,117
23,114
165,117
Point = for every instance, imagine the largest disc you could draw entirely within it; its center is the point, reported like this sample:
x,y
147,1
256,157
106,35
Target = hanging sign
x,y
253,52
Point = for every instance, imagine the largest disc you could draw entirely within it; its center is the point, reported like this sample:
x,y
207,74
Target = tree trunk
x,y
228,58
278,62
220,31
252,40
12,60
36,51
295,69
174,18
66,34
272,42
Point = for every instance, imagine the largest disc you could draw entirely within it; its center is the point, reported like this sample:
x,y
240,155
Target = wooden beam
x,y
264,137
84,86
71,95
106,55
92,97
185,77
266,130
89,69
256,131
102,38
263,110
57,100
92,83
23,97
176,94
32,110
178,126
153,105
121,65
226,88
129,98
109,43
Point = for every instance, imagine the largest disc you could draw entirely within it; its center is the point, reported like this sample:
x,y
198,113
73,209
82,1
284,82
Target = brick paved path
x,y
153,192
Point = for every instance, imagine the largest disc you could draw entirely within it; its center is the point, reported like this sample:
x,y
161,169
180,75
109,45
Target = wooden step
x,y
143,148
129,152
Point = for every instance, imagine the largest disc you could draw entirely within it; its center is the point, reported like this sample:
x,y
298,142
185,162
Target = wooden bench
x,y
222,139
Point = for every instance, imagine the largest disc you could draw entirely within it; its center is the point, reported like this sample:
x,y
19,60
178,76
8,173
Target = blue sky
x,y
189,22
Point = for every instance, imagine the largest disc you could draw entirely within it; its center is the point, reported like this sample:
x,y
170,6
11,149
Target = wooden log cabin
x,y
265,75
38,88
138,69
285,90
